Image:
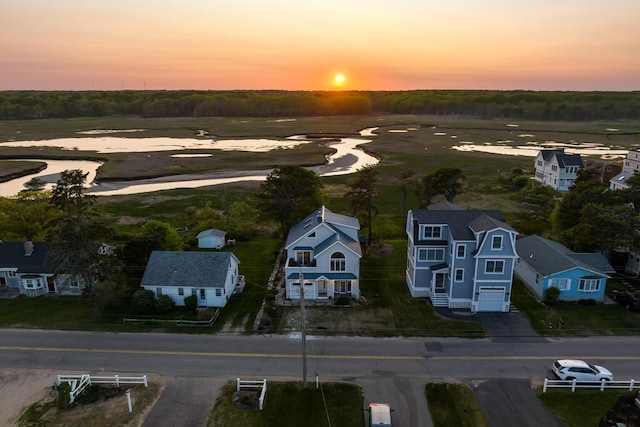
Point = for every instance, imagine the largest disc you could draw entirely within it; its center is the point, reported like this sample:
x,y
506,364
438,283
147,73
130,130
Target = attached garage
x,y
490,299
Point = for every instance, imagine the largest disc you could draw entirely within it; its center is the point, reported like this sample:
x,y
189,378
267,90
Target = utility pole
x,y
304,332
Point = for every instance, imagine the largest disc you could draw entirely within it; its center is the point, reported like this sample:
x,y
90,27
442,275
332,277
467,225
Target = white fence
x,y
603,385
253,385
80,382
178,322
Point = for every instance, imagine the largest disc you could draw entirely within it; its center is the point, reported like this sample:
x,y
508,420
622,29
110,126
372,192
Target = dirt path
x,y
20,388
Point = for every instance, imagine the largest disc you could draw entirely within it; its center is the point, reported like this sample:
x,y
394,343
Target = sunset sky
x,y
305,44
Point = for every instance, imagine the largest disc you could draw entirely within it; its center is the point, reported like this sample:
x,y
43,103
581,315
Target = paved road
x,y
392,369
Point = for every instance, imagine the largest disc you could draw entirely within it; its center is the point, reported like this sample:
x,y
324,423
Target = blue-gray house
x,y
460,258
544,264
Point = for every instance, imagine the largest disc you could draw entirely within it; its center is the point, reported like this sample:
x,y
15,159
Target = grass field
x,y
288,404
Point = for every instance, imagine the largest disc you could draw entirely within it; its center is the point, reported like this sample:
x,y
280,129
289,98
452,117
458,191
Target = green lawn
x,y
579,320
453,405
287,404
581,408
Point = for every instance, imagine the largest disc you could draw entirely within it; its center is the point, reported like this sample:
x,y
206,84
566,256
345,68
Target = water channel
x,y
347,159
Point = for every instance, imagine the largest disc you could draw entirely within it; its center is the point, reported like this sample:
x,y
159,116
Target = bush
x,y
551,295
190,304
91,394
144,302
64,394
164,304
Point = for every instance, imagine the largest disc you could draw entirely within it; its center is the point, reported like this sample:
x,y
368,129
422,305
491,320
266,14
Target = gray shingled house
x,y
211,276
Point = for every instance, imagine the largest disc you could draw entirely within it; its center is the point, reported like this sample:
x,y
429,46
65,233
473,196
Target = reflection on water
x,y
533,150
50,175
111,144
347,159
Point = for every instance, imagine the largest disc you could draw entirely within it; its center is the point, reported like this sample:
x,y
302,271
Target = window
x,y
494,266
338,262
554,167
431,254
181,291
562,284
589,285
461,251
496,243
158,292
312,234
218,292
432,232
343,286
304,257
29,283
459,275
12,274
75,282
194,292
203,294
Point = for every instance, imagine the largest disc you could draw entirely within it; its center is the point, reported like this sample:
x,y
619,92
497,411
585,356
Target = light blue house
x,y
460,258
544,263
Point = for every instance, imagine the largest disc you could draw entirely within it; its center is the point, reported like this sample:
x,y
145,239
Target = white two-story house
x,y
460,258
630,167
323,252
557,169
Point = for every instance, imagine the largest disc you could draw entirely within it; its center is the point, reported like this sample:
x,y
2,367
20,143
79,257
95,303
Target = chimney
x,y
28,248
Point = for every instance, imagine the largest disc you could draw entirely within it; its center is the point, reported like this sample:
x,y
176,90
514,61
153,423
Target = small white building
x,y
211,239
210,276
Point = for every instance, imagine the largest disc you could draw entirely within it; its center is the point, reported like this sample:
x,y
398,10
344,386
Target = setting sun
x,y
338,80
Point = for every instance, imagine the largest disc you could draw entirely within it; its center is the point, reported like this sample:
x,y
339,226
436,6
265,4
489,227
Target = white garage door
x,y
490,299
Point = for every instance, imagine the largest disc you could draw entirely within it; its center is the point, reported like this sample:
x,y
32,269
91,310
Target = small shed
x,y
211,238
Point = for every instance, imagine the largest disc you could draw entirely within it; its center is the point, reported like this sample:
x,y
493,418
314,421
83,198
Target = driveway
x,y
507,403
185,402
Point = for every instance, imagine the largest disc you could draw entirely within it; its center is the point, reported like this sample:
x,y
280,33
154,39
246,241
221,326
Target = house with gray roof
x,y
323,252
544,264
557,169
26,268
210,276
460,258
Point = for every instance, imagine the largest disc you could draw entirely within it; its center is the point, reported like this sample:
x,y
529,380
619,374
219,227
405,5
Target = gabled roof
x,y
339,236
187,269
12,255
458,221
548,257
319,217
563,159
212,232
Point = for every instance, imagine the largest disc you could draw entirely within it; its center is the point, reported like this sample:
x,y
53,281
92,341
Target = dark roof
x,y
564,159
12,255
548,257
331,220
319,216
188,269
459,221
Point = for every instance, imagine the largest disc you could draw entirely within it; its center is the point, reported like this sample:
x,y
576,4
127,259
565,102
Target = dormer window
x,y
496,242
432,232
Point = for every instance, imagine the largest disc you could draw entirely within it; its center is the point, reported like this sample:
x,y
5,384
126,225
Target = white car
x,y
580,371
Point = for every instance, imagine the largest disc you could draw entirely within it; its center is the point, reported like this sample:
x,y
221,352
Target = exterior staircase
x,y
439,299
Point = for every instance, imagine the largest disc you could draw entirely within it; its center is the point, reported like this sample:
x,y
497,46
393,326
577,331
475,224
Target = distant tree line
x,y
519,104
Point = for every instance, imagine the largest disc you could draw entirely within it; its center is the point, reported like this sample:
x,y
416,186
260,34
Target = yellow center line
x,y
297,356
